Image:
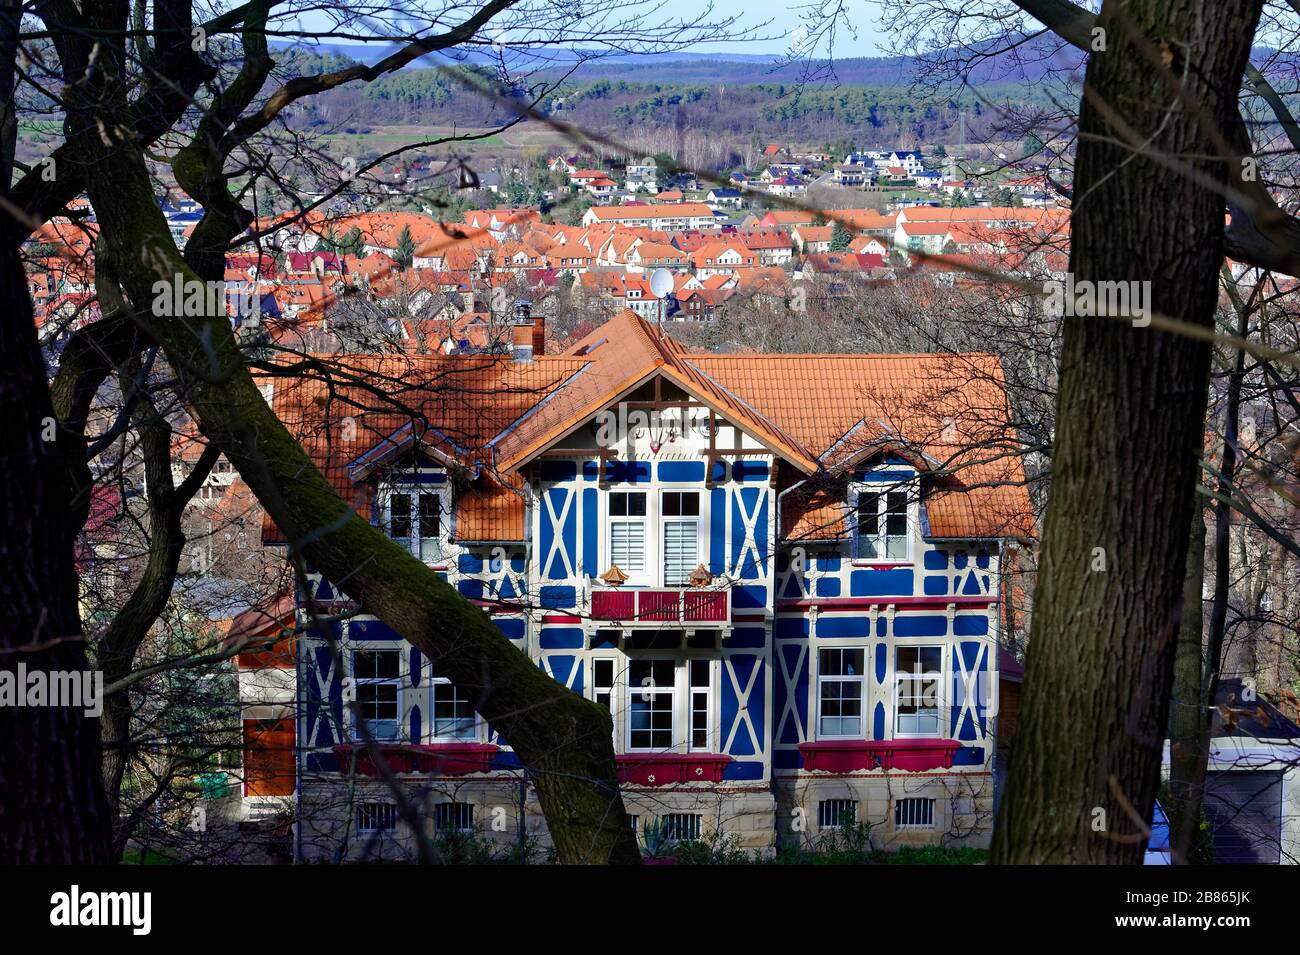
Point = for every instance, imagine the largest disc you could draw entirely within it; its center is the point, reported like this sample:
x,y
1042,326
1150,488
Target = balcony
x,y
640,606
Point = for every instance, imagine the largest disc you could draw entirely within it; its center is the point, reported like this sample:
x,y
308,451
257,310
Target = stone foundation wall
x,y
737,817
962,814
750,818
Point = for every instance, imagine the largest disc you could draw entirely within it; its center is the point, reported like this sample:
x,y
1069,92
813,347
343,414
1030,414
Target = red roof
x,y
817,413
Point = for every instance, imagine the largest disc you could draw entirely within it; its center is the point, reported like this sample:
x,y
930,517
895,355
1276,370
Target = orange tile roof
x,y
820,414
667,209
708,254
862,219
926,228
790,217
974,213
950,407
457,403
627,351
813,233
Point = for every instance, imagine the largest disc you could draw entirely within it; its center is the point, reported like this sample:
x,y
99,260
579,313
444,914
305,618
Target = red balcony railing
x,y
638,605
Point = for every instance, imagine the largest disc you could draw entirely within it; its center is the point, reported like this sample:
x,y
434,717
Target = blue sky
x,y
787,18
776,26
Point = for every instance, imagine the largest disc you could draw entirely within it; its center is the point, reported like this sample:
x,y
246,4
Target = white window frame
x,y
474,737
664,520
399,681
615,704
683,710
941,686
710,723
883,490
409,483
644,575
860,677
674,692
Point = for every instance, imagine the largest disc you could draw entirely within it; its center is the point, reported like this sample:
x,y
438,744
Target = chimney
x,y
521,341
539,336
527,335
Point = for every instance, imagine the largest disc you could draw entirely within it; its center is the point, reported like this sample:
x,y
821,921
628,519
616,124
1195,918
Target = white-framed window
x,y
682,826
453,716
453,817
669,702
377,681
882,525
700,701
679,516
918,682
376,817
603,671
914,813
841,685
651,707
627,525
414,515
836,813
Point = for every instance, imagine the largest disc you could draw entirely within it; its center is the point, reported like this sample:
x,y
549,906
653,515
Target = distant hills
x,y
1034,60
709,67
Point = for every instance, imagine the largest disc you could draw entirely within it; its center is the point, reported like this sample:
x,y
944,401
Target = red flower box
x,y
664,769
442,759
851,755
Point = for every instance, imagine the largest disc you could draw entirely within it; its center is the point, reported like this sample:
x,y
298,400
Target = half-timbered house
x,y
782,574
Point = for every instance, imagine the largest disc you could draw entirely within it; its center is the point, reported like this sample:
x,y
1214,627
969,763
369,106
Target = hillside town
x,y
592,281
449,286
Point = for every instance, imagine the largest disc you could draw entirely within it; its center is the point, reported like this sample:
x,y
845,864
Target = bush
x,y
935,855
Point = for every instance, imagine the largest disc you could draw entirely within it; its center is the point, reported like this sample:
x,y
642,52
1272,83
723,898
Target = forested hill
x,y
767,108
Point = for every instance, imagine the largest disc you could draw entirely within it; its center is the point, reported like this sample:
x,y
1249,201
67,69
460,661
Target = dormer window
x,y
882,521
412,514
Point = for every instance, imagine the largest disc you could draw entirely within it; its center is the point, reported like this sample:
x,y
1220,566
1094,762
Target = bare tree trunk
x,y
52,807
1130,413
1188,714
1190,754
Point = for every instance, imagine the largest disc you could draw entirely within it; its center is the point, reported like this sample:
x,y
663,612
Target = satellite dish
x,y
661,282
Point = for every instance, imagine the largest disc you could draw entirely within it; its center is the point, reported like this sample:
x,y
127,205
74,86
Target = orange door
x,y
268,757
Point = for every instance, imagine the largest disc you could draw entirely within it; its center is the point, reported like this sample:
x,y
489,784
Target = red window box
x,y
664,769
443,759
851,755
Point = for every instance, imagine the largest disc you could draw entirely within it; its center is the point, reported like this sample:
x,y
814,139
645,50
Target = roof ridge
x,y
839,355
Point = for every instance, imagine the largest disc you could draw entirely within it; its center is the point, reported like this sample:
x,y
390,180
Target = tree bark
x,y
1197,684
1188,714
52,807
1130,413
